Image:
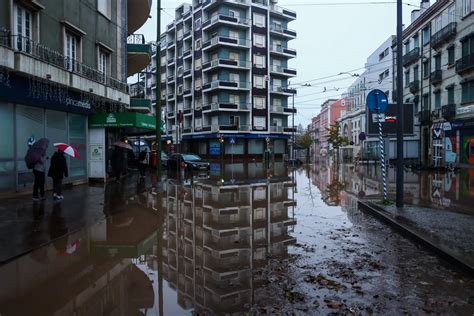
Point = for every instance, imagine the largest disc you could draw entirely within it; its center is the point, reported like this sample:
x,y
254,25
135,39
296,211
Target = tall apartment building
x,y
63,68
225,67
438,66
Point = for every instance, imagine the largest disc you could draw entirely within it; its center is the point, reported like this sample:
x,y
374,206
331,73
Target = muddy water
x,y
245,238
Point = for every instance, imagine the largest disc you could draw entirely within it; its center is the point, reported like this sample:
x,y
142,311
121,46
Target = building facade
x,y
331,111
225,76
438,79
61,63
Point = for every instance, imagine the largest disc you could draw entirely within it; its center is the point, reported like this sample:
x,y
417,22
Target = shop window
x,y
77,138
29,123
56,129
7,141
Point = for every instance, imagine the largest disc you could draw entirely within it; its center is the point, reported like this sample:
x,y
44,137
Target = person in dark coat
x,y
117,162
57,171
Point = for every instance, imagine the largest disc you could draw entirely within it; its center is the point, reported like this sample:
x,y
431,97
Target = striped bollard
x,y
382,156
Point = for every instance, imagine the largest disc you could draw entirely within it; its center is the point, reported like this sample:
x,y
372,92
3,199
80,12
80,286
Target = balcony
x,y
414,86
465,64
27,56
448,111
282,90
170,61
425,116
283,51
444,35
282,12
225,106
138,54
226,63
436,76
282,31
289,129
138,100
220,19
207,4
138,12
225,84
187,53
411,56
226,41
229,128
284,71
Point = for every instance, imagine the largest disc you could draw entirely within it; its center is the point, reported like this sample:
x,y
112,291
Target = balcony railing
x,y
444,35
286,12
448,111
464,64
225,19
281,89
224,40
45,54
137,90
411,56
226,63
414,86
436,76
226,84
278,28
282,50
283,70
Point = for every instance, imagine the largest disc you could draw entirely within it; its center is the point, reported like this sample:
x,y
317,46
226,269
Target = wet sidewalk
x,y
26,225
448,233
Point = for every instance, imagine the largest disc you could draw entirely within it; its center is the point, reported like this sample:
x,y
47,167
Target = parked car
x,y
188,162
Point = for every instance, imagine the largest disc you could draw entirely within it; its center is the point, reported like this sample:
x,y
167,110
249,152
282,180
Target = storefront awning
x,y
123,120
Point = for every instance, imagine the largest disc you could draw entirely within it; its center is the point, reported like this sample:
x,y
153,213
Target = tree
x,y
304,141
334,137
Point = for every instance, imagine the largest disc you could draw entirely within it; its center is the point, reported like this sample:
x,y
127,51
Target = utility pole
x,y
400,120
158,90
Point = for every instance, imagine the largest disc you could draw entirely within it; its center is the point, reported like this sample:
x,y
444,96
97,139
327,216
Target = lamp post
x,y
158,90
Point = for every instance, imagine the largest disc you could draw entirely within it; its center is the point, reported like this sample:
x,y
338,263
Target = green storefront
x,y
107,128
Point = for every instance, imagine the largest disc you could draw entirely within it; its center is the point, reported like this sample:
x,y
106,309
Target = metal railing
x,y
136,39
444,34
436,76
465,63
225,40
282,69
225,18
137,90
281,29
283,50
411,56
45,54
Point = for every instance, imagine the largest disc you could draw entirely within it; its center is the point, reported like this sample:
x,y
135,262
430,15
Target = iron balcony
x,y
281,30
444,35
448,111
436,76
465,64
411,56
414,86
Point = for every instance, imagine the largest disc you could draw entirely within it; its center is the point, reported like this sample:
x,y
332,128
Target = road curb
x,y
387,218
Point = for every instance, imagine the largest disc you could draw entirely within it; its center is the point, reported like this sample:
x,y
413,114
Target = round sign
x,y
377,101
362,136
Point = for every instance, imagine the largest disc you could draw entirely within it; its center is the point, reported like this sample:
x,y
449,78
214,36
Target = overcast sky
x,y
331,39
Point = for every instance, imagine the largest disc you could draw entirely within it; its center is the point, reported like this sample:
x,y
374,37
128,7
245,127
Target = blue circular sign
x,y
377,101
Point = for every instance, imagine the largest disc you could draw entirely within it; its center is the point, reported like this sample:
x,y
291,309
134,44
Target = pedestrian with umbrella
x,y
58,169
35,159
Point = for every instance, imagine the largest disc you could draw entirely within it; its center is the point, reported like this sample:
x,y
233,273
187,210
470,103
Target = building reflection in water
x,y
94,271
221,232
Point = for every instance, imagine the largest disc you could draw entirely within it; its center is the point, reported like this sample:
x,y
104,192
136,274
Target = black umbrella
x,y
38,150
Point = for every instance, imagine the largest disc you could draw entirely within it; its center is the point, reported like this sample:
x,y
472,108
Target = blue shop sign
x,y
42,93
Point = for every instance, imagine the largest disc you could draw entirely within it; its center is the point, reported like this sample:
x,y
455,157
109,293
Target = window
x,y
416,73
259,102
259,20
276,102
234,77
197,44
180,51
437,61
180,89
102,59
407,78
103,6
467,91
180,71
437,99
451,14
234,34
23,28
407,47
438,24
197,103
259,61
426,102
466,7
259,82
451,56
197,64
198,123
234,120
425,33
416,41
179,34
426,69
450,91
233,56
233,13
163,60
70,50
260,122
197,84
234,99
259,40
163,76
197,24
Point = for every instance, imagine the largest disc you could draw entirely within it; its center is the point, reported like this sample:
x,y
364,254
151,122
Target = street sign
x,y
362,136
267,139
232,140
377,101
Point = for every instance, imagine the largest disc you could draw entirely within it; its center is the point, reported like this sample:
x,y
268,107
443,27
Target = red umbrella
x,y
68,150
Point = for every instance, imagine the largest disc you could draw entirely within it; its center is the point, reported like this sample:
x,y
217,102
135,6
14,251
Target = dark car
x,y
188,162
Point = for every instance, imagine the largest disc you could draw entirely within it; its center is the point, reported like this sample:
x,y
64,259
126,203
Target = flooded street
x,y
244,238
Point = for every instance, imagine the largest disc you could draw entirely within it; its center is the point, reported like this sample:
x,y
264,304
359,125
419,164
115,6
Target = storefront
x,y
107,128
31,109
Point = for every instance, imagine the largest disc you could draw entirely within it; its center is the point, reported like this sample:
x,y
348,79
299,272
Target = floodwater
x,y
243,239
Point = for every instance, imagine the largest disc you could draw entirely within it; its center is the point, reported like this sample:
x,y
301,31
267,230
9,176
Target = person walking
x,y
57,171
35,159
117,163
142,163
